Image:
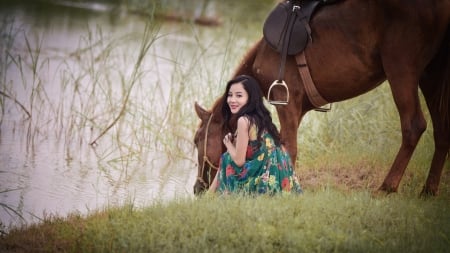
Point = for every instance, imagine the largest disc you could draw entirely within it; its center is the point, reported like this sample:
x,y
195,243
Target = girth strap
x,y
313,94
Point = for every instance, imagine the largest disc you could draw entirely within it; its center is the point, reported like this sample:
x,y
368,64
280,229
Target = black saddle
x,y
287,30
289,22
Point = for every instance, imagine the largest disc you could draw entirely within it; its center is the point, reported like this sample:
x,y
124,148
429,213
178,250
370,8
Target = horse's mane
x,y
217,106
245,66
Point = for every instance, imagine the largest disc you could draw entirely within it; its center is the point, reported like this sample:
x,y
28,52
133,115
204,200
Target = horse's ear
x,y
202,113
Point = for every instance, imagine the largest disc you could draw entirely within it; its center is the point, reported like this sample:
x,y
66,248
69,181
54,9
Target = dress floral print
x,y
267,169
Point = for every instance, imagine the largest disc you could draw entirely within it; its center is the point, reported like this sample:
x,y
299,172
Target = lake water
x,y
69,77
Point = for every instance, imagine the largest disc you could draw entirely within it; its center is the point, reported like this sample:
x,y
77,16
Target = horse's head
x,y
208,140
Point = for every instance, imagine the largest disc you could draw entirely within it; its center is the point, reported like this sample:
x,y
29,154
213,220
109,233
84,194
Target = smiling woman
x,y
255,162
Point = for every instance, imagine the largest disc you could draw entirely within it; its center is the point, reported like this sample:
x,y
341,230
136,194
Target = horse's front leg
x,y
290,116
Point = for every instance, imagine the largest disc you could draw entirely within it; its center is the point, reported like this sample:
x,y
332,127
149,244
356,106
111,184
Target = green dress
x,y
267,169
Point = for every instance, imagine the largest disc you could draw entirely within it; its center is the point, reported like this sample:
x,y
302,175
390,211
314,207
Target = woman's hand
x,y
228,140
237,147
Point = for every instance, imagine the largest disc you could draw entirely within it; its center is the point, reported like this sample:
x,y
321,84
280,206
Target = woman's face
x,y
237,97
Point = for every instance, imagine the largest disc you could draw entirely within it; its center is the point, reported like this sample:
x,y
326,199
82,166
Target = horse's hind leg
x,y
405,91
435,86
441,148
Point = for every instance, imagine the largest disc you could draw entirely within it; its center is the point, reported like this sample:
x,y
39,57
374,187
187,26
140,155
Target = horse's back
x,y
357,44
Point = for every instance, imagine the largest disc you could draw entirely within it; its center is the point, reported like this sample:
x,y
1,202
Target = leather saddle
x,y
287,31
289,22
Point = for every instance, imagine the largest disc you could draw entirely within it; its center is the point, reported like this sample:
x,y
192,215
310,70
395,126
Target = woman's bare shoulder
x,y
243,120
243,123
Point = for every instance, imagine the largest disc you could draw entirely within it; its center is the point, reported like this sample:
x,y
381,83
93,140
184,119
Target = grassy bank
x,y
326,220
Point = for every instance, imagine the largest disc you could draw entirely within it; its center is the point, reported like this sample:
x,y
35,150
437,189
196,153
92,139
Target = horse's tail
x,y
435,86
446,87
444,101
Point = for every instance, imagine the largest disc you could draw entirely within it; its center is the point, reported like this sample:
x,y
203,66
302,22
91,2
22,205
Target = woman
x,y
255,161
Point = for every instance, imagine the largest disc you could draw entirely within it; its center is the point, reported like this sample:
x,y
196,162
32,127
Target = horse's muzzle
x,y
199,187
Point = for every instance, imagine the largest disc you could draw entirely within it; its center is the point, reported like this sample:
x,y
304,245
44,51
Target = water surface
x,y
66,78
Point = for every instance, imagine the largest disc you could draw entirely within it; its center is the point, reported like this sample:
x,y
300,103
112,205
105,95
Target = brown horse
x,y
357,45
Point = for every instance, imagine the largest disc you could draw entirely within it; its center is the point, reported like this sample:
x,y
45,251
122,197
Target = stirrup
x,y
323,108
278,102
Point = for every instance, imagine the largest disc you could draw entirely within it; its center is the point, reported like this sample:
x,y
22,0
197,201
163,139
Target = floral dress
x,y
267,169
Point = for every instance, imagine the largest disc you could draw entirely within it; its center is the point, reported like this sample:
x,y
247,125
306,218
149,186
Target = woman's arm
x,y
213,186
238,150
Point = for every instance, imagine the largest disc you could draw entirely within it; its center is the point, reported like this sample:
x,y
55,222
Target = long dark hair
x,y
254,110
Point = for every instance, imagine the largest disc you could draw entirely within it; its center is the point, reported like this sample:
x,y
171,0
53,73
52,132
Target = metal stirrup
x,y
278,102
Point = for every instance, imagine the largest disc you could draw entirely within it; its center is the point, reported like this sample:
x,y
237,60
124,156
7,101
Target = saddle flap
x,y
277,23
298,39
276,26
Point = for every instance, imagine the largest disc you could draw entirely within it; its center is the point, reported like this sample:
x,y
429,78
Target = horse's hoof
x,y
379,194
427,192
383,191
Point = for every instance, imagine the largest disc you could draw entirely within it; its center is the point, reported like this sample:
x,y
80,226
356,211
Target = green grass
x,y
323,221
